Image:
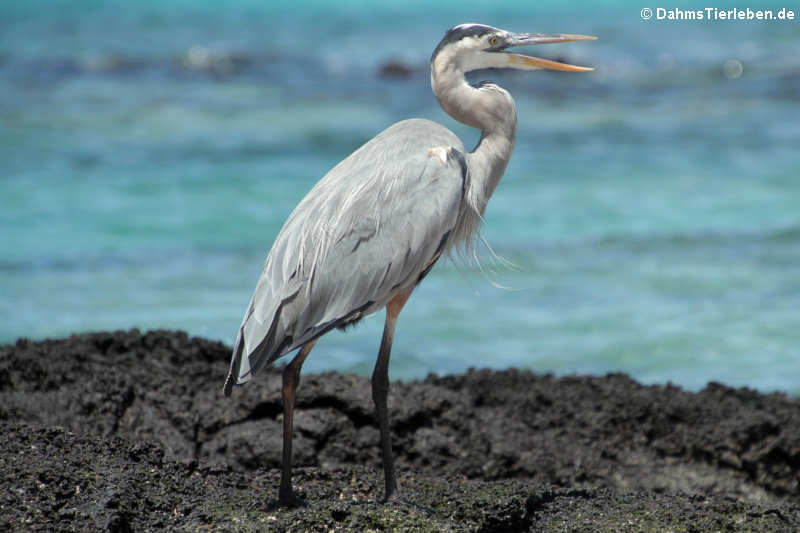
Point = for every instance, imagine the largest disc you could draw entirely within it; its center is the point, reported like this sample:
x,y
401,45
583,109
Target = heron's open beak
x,y
520,61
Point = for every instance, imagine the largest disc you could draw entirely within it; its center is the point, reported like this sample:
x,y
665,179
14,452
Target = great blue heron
x,y
373,226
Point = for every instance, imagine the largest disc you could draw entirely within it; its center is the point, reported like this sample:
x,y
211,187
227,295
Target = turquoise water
x,y
150,152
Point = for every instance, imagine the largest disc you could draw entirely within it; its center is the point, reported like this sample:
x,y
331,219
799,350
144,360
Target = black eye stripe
x,y
462,31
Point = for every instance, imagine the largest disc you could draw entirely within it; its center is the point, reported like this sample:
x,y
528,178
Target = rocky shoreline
x,y
128,431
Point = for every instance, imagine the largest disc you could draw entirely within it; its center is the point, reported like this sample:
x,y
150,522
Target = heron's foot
x,y
440,153
392,497
287,498
396,499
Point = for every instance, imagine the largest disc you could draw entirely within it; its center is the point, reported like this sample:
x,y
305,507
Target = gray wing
x,y
369,229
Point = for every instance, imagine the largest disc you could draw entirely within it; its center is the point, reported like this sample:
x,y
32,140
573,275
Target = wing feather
x,y
368,229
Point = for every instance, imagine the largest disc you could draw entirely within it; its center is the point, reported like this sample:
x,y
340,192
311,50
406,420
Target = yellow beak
x,y
530,63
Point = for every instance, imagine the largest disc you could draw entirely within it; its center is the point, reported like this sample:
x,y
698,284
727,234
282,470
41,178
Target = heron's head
x,y
468,47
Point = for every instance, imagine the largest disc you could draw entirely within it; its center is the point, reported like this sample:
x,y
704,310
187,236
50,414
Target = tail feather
x,y
254,348
235,373
228,388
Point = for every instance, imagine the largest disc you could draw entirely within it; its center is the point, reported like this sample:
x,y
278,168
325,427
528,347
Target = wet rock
x,y
395,69
128,431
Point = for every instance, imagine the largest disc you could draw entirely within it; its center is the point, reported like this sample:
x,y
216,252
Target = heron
x,y
373,227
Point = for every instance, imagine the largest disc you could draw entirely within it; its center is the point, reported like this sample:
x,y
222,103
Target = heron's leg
x,y
380,390
291,377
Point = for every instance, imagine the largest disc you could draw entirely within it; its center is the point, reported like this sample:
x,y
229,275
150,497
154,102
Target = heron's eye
x,y
493,41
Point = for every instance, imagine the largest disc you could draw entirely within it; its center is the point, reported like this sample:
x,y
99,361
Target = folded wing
x,y
369,229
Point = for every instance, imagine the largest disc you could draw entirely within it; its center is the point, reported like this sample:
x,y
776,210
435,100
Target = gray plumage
x,y
365,232
372,227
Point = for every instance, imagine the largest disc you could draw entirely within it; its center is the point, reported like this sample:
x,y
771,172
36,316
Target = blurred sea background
x,y
150,152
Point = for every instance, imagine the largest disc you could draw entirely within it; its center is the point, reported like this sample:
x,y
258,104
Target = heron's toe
x,y
290,499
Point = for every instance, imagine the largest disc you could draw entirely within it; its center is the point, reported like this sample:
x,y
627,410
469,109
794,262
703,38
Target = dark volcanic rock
x,y
127,431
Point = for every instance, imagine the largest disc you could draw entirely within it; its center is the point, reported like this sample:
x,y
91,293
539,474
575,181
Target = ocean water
x,y
150,152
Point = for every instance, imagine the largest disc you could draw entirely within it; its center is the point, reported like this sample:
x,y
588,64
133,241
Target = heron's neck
x,y
487,163
489,108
